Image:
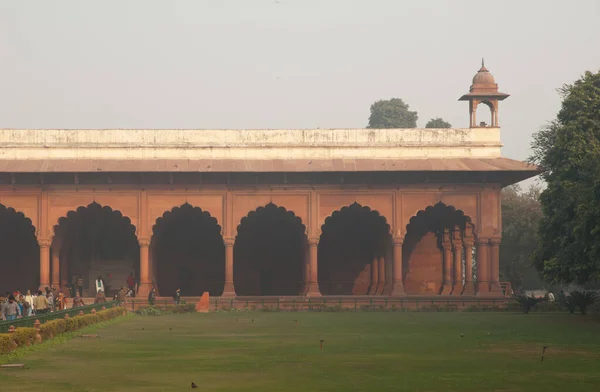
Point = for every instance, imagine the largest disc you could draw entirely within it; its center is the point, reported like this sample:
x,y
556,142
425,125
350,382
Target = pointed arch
x,y
269,252
355,252
20,262
432,234
187,252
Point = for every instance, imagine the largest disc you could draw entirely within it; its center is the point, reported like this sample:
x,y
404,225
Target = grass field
x,y
361,352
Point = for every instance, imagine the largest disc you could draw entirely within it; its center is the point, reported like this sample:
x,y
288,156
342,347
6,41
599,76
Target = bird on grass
x,y
296,321
543,352
321,345
194,385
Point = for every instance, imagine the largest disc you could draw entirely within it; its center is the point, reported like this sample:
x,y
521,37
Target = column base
x,y
143,290
313,290
495,288
228,290
379,290
43,287
468,289
398,290
458,289
373,289
446,289
387,288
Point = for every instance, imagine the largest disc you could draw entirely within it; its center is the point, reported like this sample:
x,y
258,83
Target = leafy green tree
x,y
392,113
569,150
438,122
521,214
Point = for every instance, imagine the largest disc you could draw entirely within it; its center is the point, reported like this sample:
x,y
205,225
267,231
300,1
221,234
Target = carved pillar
x,y
381,273
374,276
229,288
483,270
152,267
469,288
55,256
145,284
313,282
495,266
448,261
457,247
44,244
397,279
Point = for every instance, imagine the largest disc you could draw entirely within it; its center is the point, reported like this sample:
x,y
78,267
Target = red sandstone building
x,y
380,212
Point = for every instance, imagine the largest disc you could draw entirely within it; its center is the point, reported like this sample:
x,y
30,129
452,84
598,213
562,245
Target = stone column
x,y
495,288
448,261
145,284
44,244
55,251
313,282
229,288
483,270
374,276
397,280
305,269
469,288
381,272
457,247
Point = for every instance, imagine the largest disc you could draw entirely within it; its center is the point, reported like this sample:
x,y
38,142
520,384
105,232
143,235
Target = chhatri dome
x,y
483,76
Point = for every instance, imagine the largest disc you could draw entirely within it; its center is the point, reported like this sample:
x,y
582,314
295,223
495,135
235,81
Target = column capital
x,y
229,241
398,240
495,241
482,241
313,241
468,240
44,242
144,242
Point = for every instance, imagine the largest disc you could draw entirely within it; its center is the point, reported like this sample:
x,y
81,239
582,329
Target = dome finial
x,y
482,63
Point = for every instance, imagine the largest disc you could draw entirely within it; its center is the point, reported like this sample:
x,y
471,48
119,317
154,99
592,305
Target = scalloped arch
x,y
63,221
261,210
442,207
11,211
374,213
157,227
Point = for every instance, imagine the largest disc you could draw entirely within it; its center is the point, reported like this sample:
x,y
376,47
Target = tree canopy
x,y
569,150
438,122
392,113
521,214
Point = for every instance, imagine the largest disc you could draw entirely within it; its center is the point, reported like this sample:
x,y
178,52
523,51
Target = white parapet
x,y
249,144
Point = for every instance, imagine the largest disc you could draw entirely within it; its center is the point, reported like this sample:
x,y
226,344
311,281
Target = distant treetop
x,y
438,122
392,113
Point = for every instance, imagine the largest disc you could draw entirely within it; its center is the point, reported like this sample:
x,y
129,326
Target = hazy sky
x,y
286,63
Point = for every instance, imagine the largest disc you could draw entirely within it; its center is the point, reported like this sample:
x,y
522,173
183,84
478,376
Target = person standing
x,y
29,299
79,285
131,282
77,301
10,309
152,297
40,303
99,284
177,296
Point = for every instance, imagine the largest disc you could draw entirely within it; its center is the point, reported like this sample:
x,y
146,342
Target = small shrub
x,y
5,343
582,300
150,311
527,303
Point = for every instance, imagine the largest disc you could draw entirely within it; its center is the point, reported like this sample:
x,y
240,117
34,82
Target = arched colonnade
x,y
272,253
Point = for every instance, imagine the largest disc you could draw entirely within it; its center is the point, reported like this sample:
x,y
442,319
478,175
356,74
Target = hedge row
x,y
27,336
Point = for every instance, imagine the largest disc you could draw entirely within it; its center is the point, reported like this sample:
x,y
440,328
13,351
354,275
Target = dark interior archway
x,y
422,252
97,241
188,252
20,253
269,253
351,238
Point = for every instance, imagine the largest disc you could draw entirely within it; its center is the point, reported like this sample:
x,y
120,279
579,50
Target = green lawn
x,y
362,352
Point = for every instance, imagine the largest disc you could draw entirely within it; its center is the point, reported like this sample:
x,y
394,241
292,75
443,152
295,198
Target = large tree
x,y
569,150
392,113
438,123
521,214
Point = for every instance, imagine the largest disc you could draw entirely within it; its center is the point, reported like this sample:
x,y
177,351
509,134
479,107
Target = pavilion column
x,y
145,284
397,280
305,269
313,282
229,288
374,276
55,257
495,266
151,266
483,270
448,261
381,272
44,244
469,288
457,247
